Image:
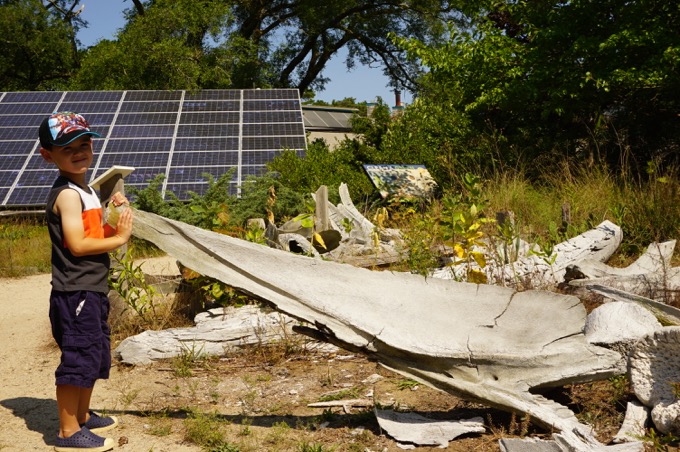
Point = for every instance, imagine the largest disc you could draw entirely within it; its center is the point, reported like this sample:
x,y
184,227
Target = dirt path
x,y
28,358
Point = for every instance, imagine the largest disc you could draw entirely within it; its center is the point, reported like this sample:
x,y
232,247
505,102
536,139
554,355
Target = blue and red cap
x,y
61,128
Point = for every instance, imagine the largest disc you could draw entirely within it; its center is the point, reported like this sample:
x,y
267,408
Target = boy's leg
x,y
68,401
84,404
79,325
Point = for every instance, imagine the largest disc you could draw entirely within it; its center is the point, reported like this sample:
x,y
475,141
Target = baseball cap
x,y
61,128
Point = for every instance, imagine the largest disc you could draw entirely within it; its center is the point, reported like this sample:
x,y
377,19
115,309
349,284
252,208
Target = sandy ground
x,y
28,358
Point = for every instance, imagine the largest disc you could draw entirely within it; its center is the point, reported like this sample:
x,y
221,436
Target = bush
x,y
321,166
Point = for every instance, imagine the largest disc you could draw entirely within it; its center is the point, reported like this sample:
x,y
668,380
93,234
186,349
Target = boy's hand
x,y
118,199
117,204
124,225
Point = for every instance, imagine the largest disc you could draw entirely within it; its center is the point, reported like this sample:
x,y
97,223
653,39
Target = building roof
x,y
322,118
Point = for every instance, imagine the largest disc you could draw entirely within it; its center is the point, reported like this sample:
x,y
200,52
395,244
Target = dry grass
x,y
257,400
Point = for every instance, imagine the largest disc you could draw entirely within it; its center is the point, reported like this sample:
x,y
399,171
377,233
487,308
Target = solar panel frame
x,y
179,134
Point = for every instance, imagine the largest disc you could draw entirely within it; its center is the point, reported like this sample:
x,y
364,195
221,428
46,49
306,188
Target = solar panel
x,y
182,135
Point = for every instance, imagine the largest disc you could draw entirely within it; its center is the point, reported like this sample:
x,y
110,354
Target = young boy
x,y
79,306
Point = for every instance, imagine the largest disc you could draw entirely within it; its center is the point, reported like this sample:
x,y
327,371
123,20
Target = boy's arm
x,y
68,205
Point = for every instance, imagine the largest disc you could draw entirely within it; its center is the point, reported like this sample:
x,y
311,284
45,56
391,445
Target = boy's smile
x,y
73,159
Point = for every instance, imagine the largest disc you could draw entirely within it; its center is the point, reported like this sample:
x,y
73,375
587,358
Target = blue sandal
x,y
98,424
83,440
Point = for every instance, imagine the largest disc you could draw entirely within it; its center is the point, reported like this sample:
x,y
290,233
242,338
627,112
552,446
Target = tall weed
x,y
650,210
557,207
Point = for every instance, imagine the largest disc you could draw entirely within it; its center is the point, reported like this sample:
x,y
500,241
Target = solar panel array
x,y
179,134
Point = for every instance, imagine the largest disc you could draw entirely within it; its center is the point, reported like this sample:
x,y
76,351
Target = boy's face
x,y
74,158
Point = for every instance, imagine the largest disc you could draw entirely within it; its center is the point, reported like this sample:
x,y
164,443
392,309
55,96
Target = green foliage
x,y
150,199
228,447
407,384
208,211
321,166
188,44
127,279
347,102
372,127
211,210
420,231
658,443
165,48
608,93
205,431
255,234
265,194
620,385
189,357
310,447
436,135
219,293
38,48
647,215
461,223
350,393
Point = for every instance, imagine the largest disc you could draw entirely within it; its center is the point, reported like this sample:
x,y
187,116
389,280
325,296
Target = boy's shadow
x,y
40,415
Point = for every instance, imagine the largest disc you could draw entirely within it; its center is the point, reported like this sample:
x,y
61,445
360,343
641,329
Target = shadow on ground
x,y
40,415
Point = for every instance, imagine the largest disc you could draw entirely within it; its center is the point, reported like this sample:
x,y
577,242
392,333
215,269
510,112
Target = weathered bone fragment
x,y
619,322
650,275
295,242
479,342
216,331
361,403
634,424
356,246
667,314
412,428
322,220
655,259
655,377
528,445
598,244
348,210
567,445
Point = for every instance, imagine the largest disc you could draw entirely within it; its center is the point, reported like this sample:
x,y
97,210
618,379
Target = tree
x,y
305,35
581,78
166,47
285,43
39,47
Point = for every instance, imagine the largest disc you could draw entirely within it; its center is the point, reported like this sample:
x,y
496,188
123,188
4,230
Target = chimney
x,y
370,108
398,106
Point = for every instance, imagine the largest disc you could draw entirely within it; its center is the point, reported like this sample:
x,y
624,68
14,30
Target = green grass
x,y
647,211
25,248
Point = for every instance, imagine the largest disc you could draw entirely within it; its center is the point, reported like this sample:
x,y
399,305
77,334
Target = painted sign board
x,y
406,181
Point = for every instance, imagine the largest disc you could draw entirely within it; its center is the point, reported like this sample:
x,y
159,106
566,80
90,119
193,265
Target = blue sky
x,y
105,17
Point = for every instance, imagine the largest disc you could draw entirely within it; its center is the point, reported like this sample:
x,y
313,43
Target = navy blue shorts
x,y
80,327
